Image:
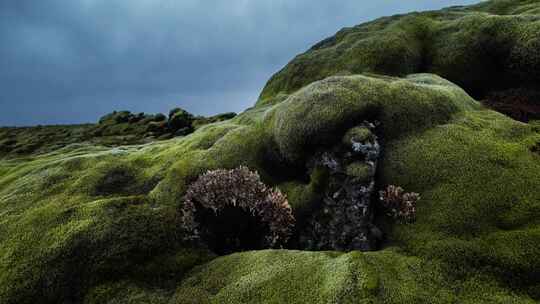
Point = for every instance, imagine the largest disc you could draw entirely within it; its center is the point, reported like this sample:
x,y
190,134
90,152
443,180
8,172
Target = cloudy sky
x,y
71,61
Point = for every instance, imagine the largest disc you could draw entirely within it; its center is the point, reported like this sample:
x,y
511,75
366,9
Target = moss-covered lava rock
x,y
88,223
485,48
114,129
64,230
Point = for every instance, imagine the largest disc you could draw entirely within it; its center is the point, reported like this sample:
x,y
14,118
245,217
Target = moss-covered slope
x,y
95,224
88,222
487,48
113,129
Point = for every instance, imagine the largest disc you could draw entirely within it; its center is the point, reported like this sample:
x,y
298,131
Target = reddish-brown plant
x,y
250,214
398,204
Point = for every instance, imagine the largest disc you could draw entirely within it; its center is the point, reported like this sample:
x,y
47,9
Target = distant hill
x,y
113,129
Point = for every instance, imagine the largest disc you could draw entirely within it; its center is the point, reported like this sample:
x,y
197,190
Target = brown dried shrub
x,y
232,210
398,204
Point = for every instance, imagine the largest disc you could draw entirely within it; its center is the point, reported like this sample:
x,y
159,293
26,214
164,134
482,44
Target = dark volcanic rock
x,y
344,219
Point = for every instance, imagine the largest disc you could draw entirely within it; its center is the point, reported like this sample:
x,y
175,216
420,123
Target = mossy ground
x,y
485,48
95,224
79,222
113,129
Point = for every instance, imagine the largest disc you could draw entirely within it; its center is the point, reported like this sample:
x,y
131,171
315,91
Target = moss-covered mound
x,y
484,48
94,224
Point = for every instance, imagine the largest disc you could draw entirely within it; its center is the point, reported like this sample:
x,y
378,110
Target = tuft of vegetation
x,y
232,210
398,204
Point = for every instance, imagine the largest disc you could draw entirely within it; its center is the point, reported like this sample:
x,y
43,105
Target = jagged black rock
x,y
344,220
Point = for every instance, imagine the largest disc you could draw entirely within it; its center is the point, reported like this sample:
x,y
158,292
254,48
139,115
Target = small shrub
x,y
232,210
398,204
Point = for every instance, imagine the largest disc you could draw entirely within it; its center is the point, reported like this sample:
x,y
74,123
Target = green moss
x,y
507,7
277,277
360,171
357,134
82,222
33,140
201,121
98,240
474,47
323,277
477,178
313,115
126,292
474,169
431,128
48,234
150,282
114,130
272,276
303,197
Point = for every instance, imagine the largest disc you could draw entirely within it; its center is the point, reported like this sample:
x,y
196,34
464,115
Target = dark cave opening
x,y
231,229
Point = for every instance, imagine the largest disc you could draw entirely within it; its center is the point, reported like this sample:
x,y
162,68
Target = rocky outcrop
x,y
344,221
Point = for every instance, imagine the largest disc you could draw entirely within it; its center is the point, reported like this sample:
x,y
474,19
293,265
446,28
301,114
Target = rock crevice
x,y
344,220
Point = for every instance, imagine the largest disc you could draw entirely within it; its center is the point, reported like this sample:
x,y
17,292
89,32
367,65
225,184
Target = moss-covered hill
x,y
113,129
490,50
95,224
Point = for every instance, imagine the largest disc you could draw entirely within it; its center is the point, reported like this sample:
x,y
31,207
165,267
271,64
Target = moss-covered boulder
x,y
485,48
95,224
315,114
74,217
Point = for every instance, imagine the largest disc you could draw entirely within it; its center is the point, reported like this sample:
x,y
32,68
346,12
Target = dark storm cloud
x,y
72,61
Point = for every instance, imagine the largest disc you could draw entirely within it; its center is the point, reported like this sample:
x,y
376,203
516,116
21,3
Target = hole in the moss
x,y
231,229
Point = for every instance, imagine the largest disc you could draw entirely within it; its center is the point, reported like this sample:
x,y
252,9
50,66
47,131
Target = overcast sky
x,y
71,61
